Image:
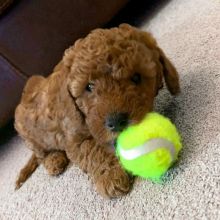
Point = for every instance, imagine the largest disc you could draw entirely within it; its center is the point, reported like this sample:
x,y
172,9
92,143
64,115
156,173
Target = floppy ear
x,y
168,70
170,74
75,81
165,67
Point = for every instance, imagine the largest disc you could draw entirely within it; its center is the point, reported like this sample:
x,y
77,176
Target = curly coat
x,y
62,117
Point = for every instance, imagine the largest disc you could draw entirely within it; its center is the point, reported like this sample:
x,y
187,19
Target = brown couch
x,y
34,34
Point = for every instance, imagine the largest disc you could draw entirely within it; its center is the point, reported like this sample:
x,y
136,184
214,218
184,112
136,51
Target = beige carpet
x,y
189,32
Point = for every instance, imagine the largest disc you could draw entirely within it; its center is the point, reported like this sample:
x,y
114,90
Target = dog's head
x,y
114,76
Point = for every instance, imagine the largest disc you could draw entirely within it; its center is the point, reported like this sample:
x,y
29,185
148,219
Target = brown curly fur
x,y
59,119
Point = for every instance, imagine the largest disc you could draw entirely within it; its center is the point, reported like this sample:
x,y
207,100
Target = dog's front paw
x,y
114,183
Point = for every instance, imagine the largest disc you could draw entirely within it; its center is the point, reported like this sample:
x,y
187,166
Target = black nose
x,y
117,121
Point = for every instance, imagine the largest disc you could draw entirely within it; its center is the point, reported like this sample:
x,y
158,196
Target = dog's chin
x,y
112,143
107,138
111,138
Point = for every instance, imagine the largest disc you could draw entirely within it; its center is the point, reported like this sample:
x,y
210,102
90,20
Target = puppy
x,y
105,82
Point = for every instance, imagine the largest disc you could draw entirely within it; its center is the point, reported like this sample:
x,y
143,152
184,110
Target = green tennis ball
x,y
149,148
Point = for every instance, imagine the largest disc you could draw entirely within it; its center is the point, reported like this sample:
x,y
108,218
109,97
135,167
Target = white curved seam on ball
x,y
148,147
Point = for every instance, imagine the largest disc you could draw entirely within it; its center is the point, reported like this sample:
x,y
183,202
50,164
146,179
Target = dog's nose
x,y
117,121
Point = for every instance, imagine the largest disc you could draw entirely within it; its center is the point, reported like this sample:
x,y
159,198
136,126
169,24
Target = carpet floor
x,y
189,33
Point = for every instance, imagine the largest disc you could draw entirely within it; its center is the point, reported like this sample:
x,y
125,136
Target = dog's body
x,y
103,83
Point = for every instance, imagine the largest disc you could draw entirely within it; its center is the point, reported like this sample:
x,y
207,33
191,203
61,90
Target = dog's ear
x,y
170,74
69,55
75,81
168,70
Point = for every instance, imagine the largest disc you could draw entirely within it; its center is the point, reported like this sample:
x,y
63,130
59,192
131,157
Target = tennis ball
x,y
149,148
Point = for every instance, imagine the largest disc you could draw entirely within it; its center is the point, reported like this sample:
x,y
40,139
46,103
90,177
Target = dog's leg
x,y
55,162
32,164
103,166
26,171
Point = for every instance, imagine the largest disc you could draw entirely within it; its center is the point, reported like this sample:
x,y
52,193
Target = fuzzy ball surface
x,y
149,148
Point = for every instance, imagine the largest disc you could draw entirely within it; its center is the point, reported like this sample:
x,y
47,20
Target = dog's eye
x,y
136,78
90,87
